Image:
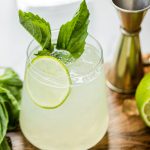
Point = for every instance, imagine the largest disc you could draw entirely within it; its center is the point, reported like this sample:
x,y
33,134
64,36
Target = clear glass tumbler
x,y
82,120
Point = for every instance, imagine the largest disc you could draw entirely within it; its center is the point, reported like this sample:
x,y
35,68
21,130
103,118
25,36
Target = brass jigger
x,y
126,70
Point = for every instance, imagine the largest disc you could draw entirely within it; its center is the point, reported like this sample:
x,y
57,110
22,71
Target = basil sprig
x,y
10,95
72,35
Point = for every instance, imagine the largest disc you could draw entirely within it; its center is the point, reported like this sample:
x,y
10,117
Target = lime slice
x,y
50,87
143,99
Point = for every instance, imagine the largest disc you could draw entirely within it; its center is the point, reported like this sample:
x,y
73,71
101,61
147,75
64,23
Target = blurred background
x,y
104,25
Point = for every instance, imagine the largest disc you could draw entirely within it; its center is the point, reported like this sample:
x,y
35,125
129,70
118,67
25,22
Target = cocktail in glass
x,y
81,120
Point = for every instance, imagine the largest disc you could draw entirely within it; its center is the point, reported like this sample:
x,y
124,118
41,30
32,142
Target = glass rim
x,y
97,65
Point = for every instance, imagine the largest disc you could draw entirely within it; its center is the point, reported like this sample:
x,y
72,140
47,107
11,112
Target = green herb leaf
x,y
10,95
73,34
10,80
9,77
3,121
12,106
4,145
38,28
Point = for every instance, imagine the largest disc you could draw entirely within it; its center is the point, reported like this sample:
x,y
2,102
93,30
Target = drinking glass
x,y
82,120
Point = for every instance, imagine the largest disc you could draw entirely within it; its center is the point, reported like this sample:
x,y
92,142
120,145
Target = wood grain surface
x,y
126,129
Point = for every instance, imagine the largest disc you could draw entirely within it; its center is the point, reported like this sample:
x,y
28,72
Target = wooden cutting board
x,y
126,129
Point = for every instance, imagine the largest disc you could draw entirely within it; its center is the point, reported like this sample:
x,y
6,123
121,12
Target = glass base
x,y
82,146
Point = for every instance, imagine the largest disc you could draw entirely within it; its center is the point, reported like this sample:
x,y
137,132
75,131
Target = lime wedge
x,y
50,87
143,99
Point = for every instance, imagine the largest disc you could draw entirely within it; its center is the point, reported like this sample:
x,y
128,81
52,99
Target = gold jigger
x,y
126,70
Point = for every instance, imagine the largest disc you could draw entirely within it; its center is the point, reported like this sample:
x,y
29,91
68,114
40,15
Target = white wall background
x,y
104,26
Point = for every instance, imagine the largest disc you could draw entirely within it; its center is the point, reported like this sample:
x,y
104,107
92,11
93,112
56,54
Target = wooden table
x,y
126,129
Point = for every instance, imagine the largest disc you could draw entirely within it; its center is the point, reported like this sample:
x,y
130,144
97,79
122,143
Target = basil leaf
x,y
4,145
10,95
3,121
15,91
9,77
10,80
38,28
73,34
12,107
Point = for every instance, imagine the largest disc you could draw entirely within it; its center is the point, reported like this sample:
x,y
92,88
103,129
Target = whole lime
x,y
143,99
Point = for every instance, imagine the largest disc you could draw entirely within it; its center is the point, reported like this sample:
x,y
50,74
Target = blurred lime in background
x,y
143,99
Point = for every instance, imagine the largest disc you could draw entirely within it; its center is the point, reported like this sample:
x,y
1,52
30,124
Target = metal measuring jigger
x,y
126,70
